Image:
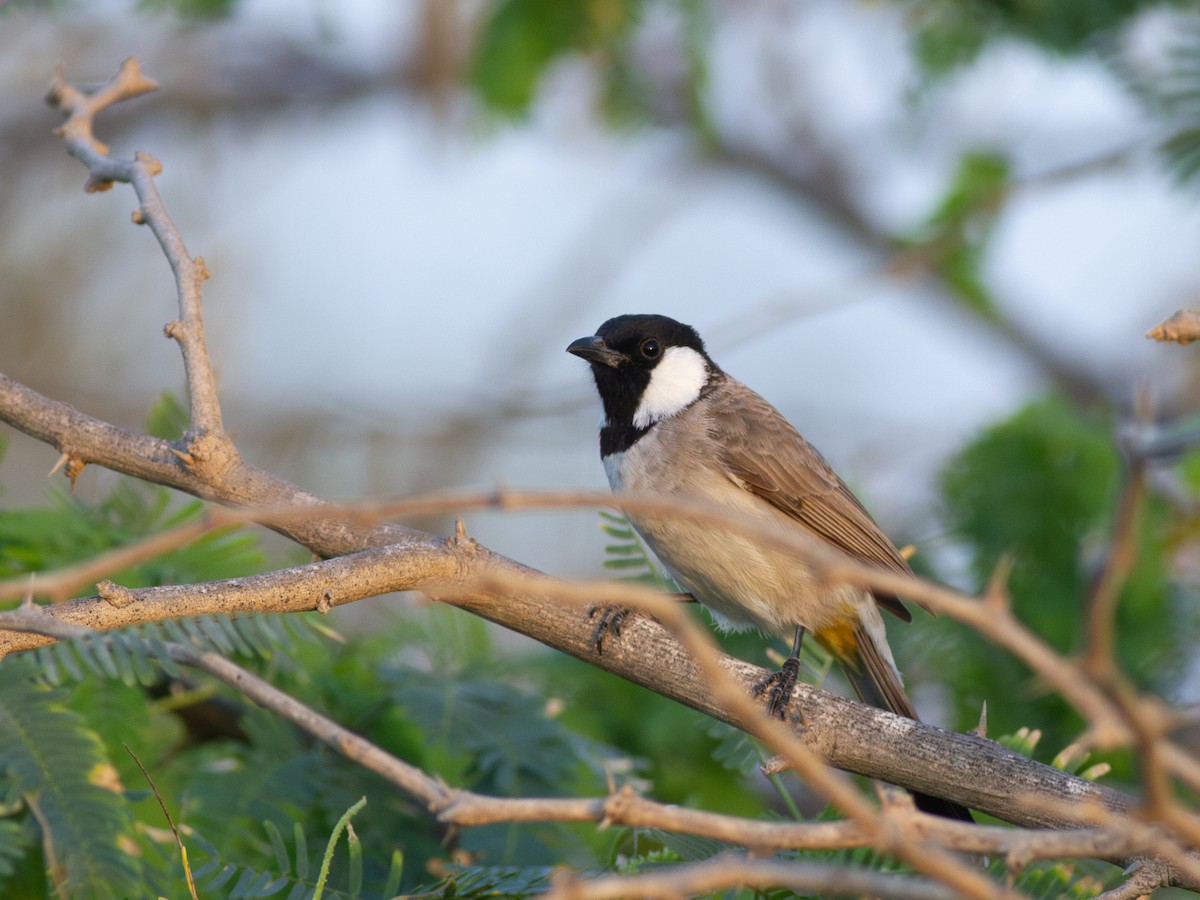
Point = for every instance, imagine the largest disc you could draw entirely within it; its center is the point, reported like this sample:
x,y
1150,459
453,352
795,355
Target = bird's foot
x,y
778,687
609,619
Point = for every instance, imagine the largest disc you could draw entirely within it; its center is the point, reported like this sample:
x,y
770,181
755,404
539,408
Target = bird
x,y
675,425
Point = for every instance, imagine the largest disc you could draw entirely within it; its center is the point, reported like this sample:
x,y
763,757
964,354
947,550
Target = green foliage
x,y
1040,489
290,872
490,881
16,839
58,770
950,33
1176,95
628,557
202,10
139,655
70,529
522,37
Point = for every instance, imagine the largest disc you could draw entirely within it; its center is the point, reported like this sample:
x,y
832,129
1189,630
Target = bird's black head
x,y
646,367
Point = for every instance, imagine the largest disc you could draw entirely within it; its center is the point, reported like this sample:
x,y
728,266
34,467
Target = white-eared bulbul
x,y
676,425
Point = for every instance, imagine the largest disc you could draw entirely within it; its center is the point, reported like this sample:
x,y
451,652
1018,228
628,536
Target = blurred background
x,y
899,221
933,233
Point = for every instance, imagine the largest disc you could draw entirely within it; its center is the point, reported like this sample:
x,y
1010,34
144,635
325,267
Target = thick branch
x,y
151,459
851,736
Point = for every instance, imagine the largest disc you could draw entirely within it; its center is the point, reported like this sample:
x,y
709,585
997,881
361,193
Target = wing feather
x,y
797,480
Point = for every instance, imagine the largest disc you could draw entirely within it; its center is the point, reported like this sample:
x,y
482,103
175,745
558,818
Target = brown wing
x,y
796,479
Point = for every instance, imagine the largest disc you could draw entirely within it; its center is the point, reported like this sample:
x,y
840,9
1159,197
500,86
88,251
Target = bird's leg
x,y
609,618
779,684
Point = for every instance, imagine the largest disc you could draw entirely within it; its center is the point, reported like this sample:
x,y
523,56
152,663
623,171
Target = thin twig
x,y
727,872
81,108
183,854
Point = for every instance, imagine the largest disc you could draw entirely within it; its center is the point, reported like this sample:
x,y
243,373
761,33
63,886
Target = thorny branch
x,y
81,108
463,808
469,576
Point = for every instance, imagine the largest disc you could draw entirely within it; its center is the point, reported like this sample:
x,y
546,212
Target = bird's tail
x,y
874,678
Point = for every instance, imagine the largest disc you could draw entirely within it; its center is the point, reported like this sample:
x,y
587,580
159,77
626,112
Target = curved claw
x,y
609,622
778,687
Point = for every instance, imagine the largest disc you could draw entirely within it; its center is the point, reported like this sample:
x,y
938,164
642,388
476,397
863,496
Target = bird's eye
x,y
651,349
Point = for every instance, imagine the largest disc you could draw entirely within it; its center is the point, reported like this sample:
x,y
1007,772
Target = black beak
x,y
593,349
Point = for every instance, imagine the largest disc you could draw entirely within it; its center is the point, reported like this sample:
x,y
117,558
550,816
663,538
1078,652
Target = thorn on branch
x,y
63,459
981,728
54,96
463,541
27,600
996,593
174,330
138,216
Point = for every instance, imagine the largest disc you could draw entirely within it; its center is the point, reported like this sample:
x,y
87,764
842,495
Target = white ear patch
x,y
675,383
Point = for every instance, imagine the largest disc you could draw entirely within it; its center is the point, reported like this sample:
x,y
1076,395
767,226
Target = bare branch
x,y
80,109
1146,877
727,872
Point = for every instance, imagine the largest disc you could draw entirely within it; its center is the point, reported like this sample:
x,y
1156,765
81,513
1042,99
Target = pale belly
x,y
744,584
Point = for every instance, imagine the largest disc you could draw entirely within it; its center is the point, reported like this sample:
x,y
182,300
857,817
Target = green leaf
x,y
16,837
517,42
282,864
395,873
631,556
342,824
522,37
